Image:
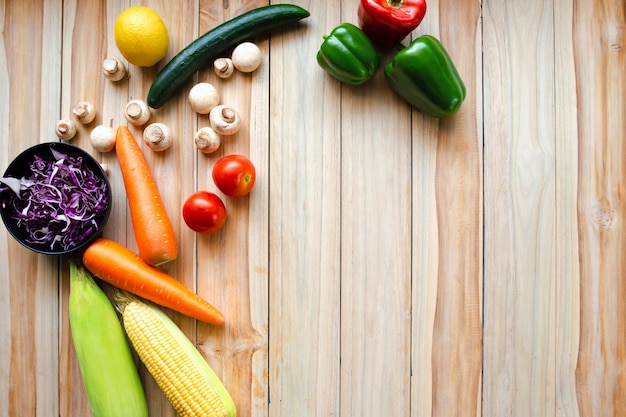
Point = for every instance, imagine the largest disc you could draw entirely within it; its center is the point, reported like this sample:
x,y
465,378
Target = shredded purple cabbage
x,y
61,203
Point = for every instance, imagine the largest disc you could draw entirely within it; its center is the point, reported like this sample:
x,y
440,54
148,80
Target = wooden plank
x,y
171,168
519,172
424,243
84,49
599,67
304,221
29,380
233,264
457,331
6,335
567,250
375,226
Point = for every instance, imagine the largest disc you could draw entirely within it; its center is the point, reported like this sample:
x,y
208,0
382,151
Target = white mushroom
x,y
105,168
102,138
84,112
157,136
114,69
223,67
203,97
137,112
247,57
207,140
65,130
224,120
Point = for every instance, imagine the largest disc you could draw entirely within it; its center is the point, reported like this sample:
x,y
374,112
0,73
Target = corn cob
x,y
106,364
184,376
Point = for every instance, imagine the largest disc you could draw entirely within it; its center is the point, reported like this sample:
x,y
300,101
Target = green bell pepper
x,y
425,76
348,55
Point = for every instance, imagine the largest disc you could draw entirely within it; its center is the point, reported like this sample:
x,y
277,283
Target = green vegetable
x,y
216,41
424,75
348,55
104,356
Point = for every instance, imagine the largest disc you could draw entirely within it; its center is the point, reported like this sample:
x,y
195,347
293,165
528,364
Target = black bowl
x,y
20,167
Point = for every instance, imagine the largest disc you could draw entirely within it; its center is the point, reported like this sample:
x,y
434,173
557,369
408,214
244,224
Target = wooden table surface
x,y
386,263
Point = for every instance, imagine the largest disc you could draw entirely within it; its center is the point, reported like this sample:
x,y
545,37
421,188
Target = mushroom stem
x,y
224,120
137,112
223,67
65,129
228,115
84,112
114,69
207,140
157,136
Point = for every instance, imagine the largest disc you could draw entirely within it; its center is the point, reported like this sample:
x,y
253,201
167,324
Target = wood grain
x,y
386,263
519,300
237,272
304,223
28,371
567,179
520,230
457,333
599,63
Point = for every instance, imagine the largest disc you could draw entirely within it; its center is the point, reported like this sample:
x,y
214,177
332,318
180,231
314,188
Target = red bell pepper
x,y
388,22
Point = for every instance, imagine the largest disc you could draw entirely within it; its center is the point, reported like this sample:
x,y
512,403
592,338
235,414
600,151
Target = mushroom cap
x,y
203,97
247,57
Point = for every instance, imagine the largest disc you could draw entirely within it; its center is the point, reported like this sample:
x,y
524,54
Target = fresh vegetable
x,y
137,112
234,175
65,130
102,138
154,232
61,203
223,67
207,140
203,97
158,137
105,168
12,184
247,57
84,112
114,69
122,268
178,368
106,363
225,120
348,55
204,212
216,41
387,22
424,75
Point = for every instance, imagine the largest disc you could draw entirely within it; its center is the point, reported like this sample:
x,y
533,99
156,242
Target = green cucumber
x,y
216,41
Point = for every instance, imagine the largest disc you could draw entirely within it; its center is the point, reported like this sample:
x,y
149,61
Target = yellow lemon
x,y
141,36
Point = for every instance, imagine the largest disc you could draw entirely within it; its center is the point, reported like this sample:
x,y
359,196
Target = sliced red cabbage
x,y
13,183
61,203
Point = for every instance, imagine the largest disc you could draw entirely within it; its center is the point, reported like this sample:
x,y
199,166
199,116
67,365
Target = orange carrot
x,y
123,268
154,232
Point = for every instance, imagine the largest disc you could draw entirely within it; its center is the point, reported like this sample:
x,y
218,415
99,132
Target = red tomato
x,y
204,212
234,175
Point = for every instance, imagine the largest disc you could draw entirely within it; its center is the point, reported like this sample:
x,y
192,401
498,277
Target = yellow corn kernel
x,y
184,376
